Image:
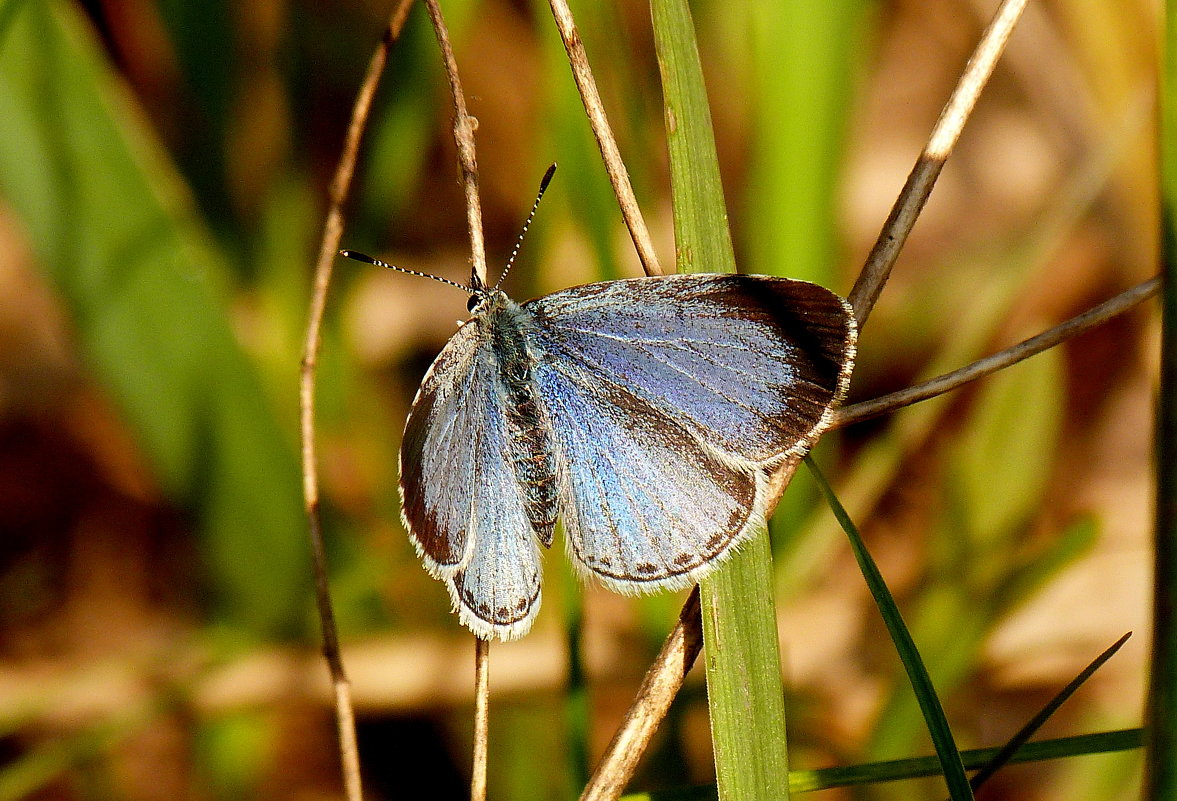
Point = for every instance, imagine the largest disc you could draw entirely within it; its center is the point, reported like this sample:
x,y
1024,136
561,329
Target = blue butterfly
x,y
644,413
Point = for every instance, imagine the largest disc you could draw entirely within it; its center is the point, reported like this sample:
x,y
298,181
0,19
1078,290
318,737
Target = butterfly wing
x,y
669,399
752,364
461,503
645,504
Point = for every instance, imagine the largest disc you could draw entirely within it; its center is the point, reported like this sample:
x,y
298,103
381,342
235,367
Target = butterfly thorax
x,y
530,445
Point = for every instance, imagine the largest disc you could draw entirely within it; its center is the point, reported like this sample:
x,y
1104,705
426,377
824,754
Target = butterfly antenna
x,y
543,187
366,259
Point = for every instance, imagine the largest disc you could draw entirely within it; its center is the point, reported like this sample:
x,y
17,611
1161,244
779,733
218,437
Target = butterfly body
x,y
528,429
646,414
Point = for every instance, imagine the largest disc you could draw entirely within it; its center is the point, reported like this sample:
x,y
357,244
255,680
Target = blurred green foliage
x,y
112,225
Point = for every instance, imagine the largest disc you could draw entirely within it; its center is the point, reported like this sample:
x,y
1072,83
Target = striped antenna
x,y
366,259
543,187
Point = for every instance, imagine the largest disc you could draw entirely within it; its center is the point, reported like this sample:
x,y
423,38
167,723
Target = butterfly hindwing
x,y
461,502
645,504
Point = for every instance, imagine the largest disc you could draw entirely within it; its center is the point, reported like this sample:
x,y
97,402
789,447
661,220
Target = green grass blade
x,y
946,750
115,233
1161,707
745,695
807,781
975,758
1015,744
703,241
8,12
744,687
918,767
989,498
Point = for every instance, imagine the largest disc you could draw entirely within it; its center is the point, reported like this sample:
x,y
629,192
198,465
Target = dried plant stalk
x,y
332,230
464,126
610,155
653,701
931,161
481,719
1124,302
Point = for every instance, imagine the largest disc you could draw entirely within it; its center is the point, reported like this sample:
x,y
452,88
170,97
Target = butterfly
x,y
646,414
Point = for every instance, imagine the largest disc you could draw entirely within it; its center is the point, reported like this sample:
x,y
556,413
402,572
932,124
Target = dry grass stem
x,y
618,175
1048,74
349,751
464,126
329,245
931,161
467,158
481,719
998,361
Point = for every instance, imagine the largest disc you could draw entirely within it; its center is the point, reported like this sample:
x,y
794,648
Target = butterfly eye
x,y
474,302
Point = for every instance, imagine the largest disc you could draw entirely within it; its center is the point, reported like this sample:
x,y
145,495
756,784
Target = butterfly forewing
x,y
751,364
462,504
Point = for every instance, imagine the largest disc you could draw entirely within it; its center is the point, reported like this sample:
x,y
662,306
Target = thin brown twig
x,y
931,161
668,670
990,364
332,231
481,719
464,126
619,176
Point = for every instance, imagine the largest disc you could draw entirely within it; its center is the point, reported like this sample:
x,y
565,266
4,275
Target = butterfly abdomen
x,y
527,427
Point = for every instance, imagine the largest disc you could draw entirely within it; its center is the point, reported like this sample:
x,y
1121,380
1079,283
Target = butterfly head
x,y
478,293
485,299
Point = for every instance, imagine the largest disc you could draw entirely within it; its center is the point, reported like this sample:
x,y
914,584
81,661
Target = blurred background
x,y
163,174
